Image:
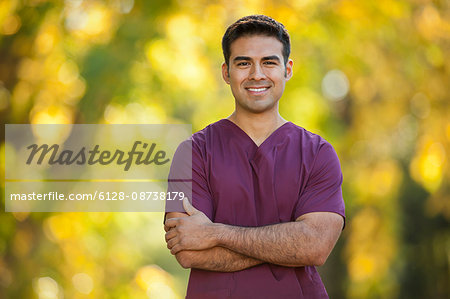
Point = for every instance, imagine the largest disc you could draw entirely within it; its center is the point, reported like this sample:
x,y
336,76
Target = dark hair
x,y
256,25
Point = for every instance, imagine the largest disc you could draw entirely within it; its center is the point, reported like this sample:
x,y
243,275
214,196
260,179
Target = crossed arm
x,y
199,243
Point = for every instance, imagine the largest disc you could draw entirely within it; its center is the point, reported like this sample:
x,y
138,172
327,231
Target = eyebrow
x,y
271,57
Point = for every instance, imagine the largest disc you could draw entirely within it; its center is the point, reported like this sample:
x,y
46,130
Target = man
x,y
266,194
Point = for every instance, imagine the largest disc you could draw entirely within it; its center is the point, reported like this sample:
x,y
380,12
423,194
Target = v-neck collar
x,y
242,132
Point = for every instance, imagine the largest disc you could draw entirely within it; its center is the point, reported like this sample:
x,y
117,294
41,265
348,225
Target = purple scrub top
x,y
293,172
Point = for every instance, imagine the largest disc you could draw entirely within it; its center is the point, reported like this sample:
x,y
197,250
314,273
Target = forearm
x,y
215,259
287,244
307,241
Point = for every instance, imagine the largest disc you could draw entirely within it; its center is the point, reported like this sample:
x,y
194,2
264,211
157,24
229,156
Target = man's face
x,y
256,72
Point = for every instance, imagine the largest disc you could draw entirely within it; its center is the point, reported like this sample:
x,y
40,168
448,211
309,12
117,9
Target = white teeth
x,y
257,89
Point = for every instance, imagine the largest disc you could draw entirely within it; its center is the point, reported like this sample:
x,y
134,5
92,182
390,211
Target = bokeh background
x,y
372,77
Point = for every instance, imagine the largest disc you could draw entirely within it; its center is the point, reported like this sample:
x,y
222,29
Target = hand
x,y
195,232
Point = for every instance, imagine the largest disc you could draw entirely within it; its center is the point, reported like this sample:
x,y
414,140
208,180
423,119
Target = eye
x,y
243,63
270,62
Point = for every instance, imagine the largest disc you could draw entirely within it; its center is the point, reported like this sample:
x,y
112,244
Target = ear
x,y
225,74
288,72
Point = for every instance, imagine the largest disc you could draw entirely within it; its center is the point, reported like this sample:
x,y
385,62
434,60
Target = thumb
x,y
188,207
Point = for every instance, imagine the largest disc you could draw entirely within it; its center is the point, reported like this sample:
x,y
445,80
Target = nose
x,y
256,72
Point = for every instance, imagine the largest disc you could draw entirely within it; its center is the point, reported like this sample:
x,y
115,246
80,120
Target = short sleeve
x,y
201,193
180,178
323,190
190,178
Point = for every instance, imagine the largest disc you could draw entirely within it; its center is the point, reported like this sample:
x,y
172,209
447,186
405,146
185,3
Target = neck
x,y
257,126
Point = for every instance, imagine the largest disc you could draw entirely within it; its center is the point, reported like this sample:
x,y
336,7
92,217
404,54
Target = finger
x,y
170,234
188,207
175,249
172,222
166,228
172,242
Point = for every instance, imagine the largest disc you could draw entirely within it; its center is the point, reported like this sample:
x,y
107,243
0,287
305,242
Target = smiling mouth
x,y
260,89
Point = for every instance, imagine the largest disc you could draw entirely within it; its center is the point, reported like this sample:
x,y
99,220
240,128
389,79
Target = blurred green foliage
x,y
372,77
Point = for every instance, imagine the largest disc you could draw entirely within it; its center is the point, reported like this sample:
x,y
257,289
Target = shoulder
x,y
308,141
197,144
314,151
204,136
